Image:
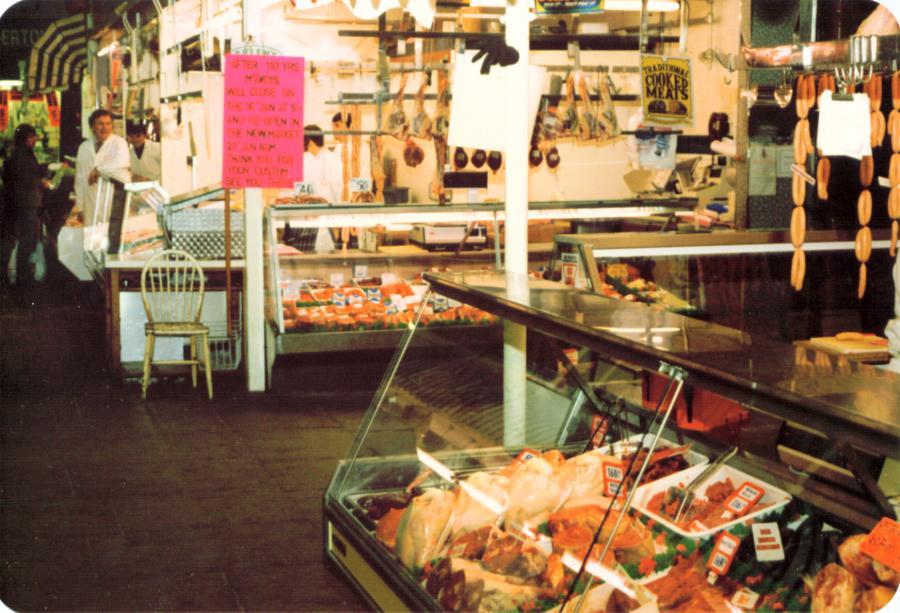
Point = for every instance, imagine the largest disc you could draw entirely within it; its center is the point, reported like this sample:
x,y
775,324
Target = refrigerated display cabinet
x,y
475,465
311,251
739,279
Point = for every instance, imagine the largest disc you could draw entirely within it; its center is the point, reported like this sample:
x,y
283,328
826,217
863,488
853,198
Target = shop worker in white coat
x,y
146,156
323,170
105,155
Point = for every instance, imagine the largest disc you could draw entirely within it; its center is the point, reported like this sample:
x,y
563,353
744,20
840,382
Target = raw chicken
x,y
424,527
480,501
398,122
421,122
585,474
535,491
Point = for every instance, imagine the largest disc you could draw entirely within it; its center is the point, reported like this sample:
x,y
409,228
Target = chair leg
x,y
149,345
193,341
207,365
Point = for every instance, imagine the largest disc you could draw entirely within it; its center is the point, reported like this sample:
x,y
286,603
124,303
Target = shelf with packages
x,y
193,222
488,478
324,297
739,279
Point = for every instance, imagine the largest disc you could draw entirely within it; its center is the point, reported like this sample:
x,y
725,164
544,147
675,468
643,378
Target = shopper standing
x,y
146,158
28,185
104,155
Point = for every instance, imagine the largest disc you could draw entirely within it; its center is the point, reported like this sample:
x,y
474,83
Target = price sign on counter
x,y
360,185
263,121
883,543
303,188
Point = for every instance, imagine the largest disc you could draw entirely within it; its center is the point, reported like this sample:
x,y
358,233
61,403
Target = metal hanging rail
x,y
883,50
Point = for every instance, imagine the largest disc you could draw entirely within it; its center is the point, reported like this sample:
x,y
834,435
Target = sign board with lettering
x,y
666,91
263,131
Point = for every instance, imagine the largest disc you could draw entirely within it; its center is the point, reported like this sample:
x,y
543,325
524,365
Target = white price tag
x,y
360,184
745,599
388,278
767,541
337,279
360,271
303,188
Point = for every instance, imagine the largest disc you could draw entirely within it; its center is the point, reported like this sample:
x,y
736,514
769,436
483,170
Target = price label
x,y
723,553
883,543
360,271
360,185
745,599
767,541
746,496
337,279
599,426
304,188
613,476
388,277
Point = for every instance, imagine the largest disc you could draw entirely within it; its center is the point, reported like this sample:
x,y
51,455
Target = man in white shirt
x,y
321,167
104,155
146,157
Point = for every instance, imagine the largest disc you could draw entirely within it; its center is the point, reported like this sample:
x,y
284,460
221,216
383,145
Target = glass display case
x,y
497,477
740,279
349,276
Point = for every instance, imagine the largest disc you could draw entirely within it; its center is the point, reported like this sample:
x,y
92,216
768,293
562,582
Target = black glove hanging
x,y
495,51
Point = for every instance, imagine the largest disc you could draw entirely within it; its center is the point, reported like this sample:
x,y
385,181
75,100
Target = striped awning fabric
x,y
59,56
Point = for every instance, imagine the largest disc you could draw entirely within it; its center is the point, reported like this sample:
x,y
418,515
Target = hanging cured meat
x,y
413,154
421,122
460,158
441,126
495,161
398,122
376,152
587,120
606,111
570,113
479,158
805,94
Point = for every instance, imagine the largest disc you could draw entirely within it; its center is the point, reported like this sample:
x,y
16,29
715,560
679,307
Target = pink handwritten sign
x,y
263,131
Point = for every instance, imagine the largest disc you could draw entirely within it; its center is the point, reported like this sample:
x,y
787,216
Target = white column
x,y
516,246
254,290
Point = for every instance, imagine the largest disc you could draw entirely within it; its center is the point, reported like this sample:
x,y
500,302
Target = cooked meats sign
x,y
666,90
263,131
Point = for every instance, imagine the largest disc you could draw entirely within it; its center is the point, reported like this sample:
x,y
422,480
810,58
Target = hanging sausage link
x,y
805,98
894,174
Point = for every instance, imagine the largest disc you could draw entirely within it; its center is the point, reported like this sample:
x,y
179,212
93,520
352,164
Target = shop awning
x,y
59,56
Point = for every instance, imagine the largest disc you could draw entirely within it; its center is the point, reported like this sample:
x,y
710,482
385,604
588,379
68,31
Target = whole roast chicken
x,y
424,527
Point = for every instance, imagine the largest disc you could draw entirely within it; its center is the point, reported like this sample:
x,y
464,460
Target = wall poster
x,y
666,90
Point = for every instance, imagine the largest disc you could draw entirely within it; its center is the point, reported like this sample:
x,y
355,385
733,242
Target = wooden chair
x,y
172,287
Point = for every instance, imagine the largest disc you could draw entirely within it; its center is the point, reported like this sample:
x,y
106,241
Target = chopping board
x,y
870,347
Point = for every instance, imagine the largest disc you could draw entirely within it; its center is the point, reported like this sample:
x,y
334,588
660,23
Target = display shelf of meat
x,y
346,299
473,482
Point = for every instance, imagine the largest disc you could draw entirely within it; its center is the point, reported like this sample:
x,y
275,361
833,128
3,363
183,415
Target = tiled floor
x,y
108,502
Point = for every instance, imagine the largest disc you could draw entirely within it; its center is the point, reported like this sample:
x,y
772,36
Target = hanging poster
x,y
666,90
560,7
263,131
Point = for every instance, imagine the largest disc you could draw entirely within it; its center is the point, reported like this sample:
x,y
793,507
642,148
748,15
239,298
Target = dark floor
x,y
109,502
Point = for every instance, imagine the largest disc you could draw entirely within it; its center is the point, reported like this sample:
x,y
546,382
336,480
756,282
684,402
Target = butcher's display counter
x,y
125,316
492,477
344,277
740,279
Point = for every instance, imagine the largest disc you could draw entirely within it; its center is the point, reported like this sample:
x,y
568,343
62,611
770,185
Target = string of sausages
x,y
893,125
805,99
863,244
823,167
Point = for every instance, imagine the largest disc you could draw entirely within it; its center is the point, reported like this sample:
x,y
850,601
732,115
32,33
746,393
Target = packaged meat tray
x,y
666,467
708,514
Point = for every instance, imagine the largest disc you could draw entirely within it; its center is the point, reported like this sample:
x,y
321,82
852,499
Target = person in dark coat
x,y
7,217
28,184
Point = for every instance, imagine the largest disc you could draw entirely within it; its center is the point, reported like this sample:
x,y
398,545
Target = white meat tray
x,y
620,448
773,499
